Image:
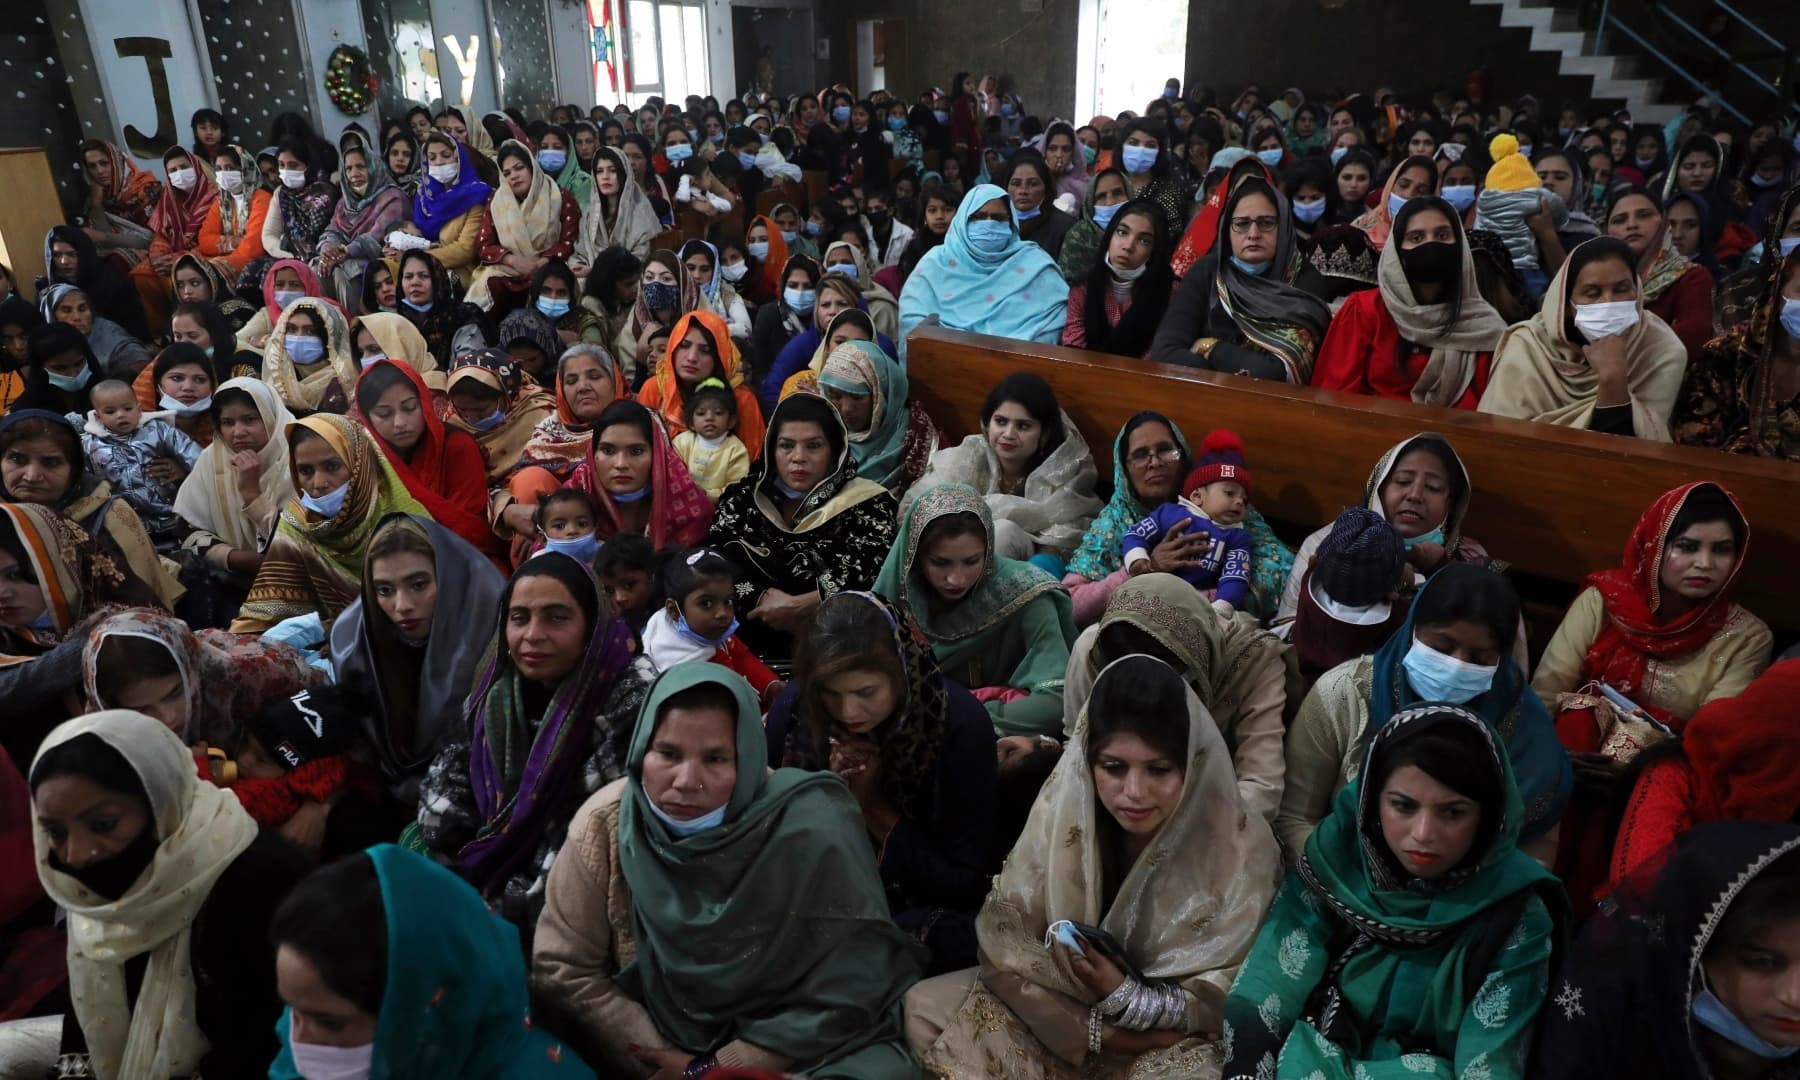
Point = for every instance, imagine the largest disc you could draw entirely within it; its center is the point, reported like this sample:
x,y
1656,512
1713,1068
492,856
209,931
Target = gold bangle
x,y
1204,347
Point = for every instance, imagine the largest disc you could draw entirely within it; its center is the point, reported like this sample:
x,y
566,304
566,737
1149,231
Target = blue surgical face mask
x,y
840,114
801,300
1786,245
1337,154
581,548
842,268
1461,196
1525,151
70,383
1103,215
1765,182
1437,676
552,309
1007,110
812,228
1270,157
678,153
990,237
1596,191
789,236
421,308
1435,536
329,504
940,116
304,350
686,631
746,159
1790,318
759,248
631,496
1253,269
1395,202
284,297
1026,215
553,160
682,829
789,492
490,421
1138,159
717,138
1711,1014
1307,212
1170,93
896,123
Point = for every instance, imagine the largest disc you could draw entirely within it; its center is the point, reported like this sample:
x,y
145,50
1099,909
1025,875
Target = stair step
x,y
1613,76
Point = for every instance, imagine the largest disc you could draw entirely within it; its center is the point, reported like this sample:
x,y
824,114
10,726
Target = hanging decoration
x,y
349,82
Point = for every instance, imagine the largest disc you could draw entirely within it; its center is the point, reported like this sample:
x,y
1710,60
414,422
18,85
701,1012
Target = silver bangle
x,y
1141,1010
1094,1030
1114,1003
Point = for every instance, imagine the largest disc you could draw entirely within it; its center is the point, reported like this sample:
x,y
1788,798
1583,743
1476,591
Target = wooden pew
x,y
782,191
818,187
672,239
1554,502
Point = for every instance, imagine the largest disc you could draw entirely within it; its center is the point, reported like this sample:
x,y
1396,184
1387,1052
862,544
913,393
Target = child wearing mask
x,y
143,458
1213,552
627,569
565,519
697,621
714,455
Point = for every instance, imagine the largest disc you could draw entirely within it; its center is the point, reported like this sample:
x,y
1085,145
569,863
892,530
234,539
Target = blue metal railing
x,y
1780,89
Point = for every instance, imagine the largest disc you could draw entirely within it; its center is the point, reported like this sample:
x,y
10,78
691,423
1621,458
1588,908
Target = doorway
x,y
772,48
880,56
1126,50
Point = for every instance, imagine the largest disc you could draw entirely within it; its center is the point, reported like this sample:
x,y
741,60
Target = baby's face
x,y
256,763
568,521
711,421
1225,501
118,411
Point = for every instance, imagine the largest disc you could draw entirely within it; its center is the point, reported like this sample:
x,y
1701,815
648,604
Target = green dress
x,y
1007,640
1364,972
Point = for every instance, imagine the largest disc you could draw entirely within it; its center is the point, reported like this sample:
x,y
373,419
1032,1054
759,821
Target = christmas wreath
x,y
348,80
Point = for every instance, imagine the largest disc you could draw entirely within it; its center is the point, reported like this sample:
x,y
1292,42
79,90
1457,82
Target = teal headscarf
x,y
771,927
862,368
455,1004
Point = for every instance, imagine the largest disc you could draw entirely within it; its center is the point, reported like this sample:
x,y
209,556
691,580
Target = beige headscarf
x,y
209,499
525,226
400,340
884,310
1186,911
1057,503
1539,374
309,393
1451,368
201,829
632,227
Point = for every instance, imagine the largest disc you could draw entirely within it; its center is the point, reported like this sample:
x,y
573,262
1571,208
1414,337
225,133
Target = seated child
x,y
1350,596
144,459
294,772
714,455
1213,555
565,519
697,620
1511,195
627,570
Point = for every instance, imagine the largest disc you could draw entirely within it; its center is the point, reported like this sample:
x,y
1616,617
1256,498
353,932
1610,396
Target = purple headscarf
x,y
436,205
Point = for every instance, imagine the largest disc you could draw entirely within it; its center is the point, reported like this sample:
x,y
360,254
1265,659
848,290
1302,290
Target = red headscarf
x,y
775,263
680,513
178,215
1631,636
1203,231
309,282
445,471
1745,759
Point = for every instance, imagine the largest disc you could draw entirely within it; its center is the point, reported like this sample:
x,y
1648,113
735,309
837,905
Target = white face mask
x,y
734,272
1126,275
182,179
230,180
1596,321
293,178
332,1062
443,174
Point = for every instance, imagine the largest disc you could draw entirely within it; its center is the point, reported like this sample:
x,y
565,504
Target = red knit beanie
x,y
1221,458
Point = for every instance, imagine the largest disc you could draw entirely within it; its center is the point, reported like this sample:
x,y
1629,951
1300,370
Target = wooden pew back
x,y
1554,502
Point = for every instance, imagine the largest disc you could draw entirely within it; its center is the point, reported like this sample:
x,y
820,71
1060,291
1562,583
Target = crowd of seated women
x,y
443,634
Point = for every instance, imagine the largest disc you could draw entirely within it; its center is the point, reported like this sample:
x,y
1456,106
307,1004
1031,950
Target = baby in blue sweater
x,y
1209,547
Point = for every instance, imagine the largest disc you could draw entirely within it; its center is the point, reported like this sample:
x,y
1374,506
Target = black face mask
x,y
878,218
1435,263
114,877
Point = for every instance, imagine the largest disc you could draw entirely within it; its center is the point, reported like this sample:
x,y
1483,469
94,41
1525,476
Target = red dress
x,y
1361,351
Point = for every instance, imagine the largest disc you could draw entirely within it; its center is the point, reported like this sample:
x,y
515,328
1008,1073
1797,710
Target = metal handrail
x,y
1740,17
1685,75
1608,21
1669,13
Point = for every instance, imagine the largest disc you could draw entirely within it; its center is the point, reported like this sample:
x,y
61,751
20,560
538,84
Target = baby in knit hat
x,y
1210,521
1347,606
1512,194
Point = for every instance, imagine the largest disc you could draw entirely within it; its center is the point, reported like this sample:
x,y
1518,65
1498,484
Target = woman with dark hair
x,y
665,294
395,966
701,348
404,157
1349,257
868,703
1237,310
241,482
1139,832
1416,935
1030,186
1694,231
610,290
62,370
175,222
369,207
1118,308
119,354
428,301
1455,647
802,526
528,220
70,258
302,207
638,483
1594,357
618,216
937,207
555,293
1675,288
1353,175
548,721
168,886
1031,465
199,283
1145,158
116,204
449,207
1425,334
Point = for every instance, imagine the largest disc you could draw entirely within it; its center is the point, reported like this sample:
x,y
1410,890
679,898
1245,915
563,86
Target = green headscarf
x,y
862,368
771,927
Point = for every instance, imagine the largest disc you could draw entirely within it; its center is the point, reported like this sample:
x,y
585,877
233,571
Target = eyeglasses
x,y
1147,454
1242,225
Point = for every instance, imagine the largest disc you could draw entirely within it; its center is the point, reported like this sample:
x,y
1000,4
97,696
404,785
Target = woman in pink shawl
x,y
659,499
175,220
1063,153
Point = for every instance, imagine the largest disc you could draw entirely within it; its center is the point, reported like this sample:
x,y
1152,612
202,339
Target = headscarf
x,y
133,190
1268,309
74,574
417,694
208,498
679,511
1377,222
400,340
225,677
1744,762
633,223
560,441
780,903
1660,266
52,340
225,313
1100,554
526,226
1540,374
381,204
1057,501
840,490
409,181
1208,231
860,367
1017,293
709,293
773,265
370,305
525,764
177,216
309,284
200,831
317,566
1739,292
437,205
1633,634
664,395
1477,328
106,288
572,178
687,298
330,385
524,406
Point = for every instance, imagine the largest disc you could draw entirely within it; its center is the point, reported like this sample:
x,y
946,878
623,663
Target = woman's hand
x,y
1096,972
1178,550
784,611
521,519
1595,772
248,472
166,470
1607,357
520,265
664,1064
306,829
331,256
1426,556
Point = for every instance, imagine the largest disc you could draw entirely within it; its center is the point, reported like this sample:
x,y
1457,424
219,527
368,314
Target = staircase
x,y
1558,31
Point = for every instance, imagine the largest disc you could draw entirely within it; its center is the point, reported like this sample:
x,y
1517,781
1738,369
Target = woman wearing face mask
x,y
492,400
528,220
285,281
982,255
315,561
1237,310
1454,647
392,966
308,359
387,336
699,815
1742,394
1312,196
1087,238
409,643
1417,935
1144,157
797,367
175,223
182,381
301,209
450,205
556,295
548,721
559,162
1029,188
1428,312
370,205
1674,288
848,258
665,294
169,886
1140,832
241,482
767,254
1349,257
638,483
1593,357
60,371
700,261
619,214
117,353
1118,308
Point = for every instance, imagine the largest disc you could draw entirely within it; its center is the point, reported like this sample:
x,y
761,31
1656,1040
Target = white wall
x,y
572,51
463,19
125,80
323,26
